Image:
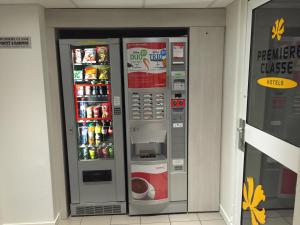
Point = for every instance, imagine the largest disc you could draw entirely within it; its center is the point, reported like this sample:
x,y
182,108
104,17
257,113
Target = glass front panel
x,y
274,76
92,94
268,191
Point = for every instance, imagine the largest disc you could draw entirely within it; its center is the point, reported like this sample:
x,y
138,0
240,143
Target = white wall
x,y
234,44
26,192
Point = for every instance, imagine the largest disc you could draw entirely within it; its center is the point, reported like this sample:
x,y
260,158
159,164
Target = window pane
x,y
275,198
274,76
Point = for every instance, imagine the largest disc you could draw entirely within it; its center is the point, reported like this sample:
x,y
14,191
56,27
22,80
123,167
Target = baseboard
x,y
53,222
225,216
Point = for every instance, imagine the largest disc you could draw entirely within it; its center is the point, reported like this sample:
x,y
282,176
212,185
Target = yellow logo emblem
x,y
252,199
278,29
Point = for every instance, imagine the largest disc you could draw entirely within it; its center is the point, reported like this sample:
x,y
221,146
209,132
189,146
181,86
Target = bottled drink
x,y
104,151
104,130
83,136
100,90
94,90
92,153
97,134
87,90
91,133
110,129
82,108
85,153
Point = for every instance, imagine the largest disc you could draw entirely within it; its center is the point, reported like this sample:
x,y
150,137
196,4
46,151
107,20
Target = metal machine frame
x,y
101,197
174,124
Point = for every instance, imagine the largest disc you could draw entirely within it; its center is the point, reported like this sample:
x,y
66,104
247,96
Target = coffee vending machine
x,y
156,81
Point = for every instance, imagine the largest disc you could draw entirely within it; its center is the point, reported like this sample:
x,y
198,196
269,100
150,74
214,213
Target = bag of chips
x,y
102,52
103,72
78,75
89,55
90,73
77,56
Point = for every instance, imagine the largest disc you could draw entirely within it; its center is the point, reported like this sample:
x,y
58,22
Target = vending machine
x,y
92,93
155,79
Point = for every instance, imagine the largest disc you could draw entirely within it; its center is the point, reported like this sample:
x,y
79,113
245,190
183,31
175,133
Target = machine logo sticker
x,y
278,29
252,201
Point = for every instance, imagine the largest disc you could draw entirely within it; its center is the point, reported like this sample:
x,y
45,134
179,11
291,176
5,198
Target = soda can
x,y
77,56
85,153
89,112
96,111
87,90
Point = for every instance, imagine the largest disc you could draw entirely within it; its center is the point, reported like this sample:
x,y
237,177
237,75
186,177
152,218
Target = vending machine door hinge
x,y
241,131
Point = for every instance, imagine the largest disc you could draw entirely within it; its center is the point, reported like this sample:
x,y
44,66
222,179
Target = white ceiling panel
x,y
178,3
45,3
221,3
109,3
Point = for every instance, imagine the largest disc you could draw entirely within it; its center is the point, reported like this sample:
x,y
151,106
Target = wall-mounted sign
x,y
15,42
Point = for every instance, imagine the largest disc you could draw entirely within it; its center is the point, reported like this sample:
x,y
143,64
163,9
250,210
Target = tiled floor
x,y
172,219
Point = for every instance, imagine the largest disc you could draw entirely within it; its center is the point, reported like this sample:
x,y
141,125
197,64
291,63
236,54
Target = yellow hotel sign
x,y
277,82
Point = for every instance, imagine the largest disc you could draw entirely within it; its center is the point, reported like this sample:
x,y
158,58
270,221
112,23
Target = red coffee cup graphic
x,y
141,189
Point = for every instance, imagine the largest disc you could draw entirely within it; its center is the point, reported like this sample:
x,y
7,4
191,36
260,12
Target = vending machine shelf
x,y
82,120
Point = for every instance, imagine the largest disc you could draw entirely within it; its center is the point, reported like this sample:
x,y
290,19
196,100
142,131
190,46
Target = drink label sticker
x,y
177,125
178,50
147,65
178,162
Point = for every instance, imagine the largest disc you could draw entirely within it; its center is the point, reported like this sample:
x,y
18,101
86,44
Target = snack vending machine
x,y
91,79
156,124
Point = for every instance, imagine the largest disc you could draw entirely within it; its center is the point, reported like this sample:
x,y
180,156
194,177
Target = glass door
x,y
272,131
92,96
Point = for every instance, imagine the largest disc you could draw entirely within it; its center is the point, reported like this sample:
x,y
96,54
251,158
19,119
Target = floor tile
x,y
155,219
213,222
125,219
186,223
183,217
276,221
210,216
71,221
96,220
289,220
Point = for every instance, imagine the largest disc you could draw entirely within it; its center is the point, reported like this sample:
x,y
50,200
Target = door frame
x,y
265,142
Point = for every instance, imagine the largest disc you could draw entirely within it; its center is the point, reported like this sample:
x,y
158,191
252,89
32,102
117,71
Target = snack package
x,y
89,55
77,56
106,110
90,73
78,75
79,90
103,72
102,53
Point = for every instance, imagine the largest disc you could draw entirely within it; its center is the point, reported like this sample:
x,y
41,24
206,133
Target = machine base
x,y
170,207
94,209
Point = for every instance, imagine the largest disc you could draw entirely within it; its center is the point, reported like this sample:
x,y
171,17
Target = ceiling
x,y
123,3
